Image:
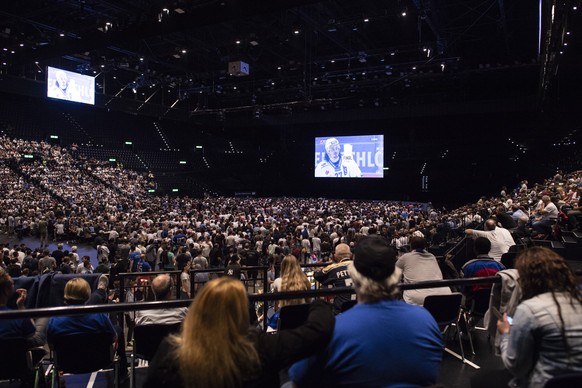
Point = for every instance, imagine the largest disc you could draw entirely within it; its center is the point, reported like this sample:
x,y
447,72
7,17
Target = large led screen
x,y
349,156
66,85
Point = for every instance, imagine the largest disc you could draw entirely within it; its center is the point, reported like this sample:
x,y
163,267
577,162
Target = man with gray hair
x,y
162,289
381,341
336,275
501,239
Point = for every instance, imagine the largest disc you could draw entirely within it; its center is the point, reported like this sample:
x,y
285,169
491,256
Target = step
x,y
569,239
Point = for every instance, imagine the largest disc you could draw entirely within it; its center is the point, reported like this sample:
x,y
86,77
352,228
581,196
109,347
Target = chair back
x,y
480,302
444,308
569,380
508,259
147,338
15,358
83,353
292,316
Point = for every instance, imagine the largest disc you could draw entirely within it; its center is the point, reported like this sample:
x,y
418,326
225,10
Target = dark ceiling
x,y
302,54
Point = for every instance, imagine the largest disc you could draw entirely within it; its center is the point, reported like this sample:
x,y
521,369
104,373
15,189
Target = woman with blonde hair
x,y
217,347
292,279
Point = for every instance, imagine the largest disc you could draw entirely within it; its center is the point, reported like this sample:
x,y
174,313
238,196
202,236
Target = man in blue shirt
x,y
382,341
77,292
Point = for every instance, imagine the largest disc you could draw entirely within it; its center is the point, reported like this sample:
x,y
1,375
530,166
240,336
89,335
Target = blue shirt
x,y
88,323
15,328
388,343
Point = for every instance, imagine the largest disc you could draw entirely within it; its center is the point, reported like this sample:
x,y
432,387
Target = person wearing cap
x,y
381,341
337,164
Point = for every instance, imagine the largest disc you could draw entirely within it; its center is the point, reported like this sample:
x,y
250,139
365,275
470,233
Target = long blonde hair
x,y
292,279
213,348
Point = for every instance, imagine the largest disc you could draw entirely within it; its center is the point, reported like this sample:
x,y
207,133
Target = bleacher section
x,y
128,158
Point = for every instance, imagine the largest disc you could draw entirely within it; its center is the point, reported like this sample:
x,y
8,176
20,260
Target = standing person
x,y
200,278
130,315
544,340
46,263
271,272
43,231
74,258
420,265
85,266
216,334
233,269
185,281
381,341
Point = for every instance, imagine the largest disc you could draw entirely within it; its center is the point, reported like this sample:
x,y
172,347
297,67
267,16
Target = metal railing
x,y
265,297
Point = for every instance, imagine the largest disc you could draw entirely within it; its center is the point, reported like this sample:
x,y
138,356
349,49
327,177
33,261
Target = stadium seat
x,y
447,311
146,340
83,353
17,361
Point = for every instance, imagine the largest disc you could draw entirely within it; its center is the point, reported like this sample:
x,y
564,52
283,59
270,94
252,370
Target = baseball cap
x,y
374,258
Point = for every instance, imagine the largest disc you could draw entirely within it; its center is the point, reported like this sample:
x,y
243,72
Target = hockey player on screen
x,y
337,164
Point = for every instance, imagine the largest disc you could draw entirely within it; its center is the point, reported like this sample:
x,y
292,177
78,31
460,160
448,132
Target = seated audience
x,y
481,266
501,239
217,348
162,290
417,266
336,275
78,292
380,342
547,216
21,328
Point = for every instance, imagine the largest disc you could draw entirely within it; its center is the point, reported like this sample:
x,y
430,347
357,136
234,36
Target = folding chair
x,y
83,353
447,311
146,340
16,361
479,305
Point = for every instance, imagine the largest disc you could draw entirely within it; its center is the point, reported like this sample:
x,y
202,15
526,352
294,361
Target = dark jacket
x,y
276,351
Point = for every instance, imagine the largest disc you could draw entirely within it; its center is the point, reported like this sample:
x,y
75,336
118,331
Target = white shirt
x,y
500,238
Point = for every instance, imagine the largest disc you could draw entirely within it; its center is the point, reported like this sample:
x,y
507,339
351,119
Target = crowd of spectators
x,y
82,200
60,195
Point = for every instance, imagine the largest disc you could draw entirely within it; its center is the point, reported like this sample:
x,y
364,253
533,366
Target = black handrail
x,y
125,307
